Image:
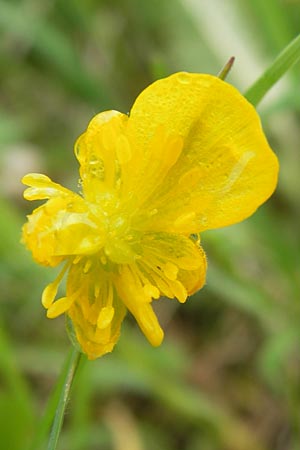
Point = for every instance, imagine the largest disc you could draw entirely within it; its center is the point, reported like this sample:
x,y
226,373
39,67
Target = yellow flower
x,y
191,156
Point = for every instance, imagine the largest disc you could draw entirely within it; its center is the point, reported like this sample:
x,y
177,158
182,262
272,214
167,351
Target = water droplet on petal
x,y
184,78
153,212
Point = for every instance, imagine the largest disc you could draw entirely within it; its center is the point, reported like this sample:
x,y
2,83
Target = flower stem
x,y
68,378
284,61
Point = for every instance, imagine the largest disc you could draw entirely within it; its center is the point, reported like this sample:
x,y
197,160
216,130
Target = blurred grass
x,y
228,375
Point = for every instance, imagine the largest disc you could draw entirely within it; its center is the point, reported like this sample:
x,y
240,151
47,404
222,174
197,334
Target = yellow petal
x,y
148,167
226,168
62,226
97,151
42,187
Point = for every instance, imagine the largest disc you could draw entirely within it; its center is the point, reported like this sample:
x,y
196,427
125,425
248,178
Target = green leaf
x,y
284,61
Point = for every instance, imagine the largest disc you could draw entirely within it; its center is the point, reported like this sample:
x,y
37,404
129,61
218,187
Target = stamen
x,y
105,317
156,275
49,294
102,336
110,294
77,259
179,291
60,306
50,291
87,266
151,291
149,325
170,270
97,289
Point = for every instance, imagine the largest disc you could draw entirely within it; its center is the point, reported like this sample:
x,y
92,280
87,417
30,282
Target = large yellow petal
x,y
226,168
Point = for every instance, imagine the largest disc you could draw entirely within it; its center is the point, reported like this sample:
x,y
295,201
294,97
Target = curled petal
x,y
42,187
62,226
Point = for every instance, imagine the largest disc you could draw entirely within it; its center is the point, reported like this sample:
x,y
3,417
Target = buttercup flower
x,y
191,156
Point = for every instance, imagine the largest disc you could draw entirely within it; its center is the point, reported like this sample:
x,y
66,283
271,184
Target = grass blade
x,y
284,61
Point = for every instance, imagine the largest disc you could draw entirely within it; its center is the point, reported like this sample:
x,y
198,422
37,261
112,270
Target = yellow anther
x,y
87,266
179,291
170,270
105,317
151,291
49,294
59,307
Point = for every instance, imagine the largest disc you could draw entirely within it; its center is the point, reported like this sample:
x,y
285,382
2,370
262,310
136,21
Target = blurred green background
x,y
227,376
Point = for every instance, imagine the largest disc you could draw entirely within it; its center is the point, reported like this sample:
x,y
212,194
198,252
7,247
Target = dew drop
x,y
204,220
153,212
184,78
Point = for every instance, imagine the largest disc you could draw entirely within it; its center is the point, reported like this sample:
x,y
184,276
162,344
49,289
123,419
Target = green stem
x,y
284,61
226,69
69,374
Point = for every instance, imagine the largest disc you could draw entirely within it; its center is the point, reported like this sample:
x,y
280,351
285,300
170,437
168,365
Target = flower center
x,y
121,242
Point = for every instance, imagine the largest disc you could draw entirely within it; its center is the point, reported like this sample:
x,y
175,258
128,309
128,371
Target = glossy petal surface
x,y
226,168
